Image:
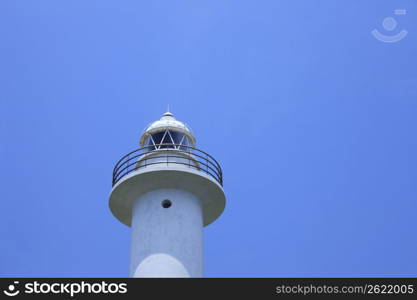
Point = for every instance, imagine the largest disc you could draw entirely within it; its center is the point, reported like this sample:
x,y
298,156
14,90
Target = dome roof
x,y
167,121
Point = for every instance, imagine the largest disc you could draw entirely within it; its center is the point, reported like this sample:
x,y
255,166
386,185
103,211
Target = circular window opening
x,y
166,203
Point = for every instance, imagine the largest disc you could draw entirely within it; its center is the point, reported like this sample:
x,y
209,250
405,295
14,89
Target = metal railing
x,y
149,155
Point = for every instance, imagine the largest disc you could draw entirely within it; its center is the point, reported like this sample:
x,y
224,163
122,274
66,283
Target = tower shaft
x,y
167,235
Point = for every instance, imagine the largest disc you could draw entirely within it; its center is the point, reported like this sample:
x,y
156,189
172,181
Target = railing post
x,y
189,157
146,162
128,161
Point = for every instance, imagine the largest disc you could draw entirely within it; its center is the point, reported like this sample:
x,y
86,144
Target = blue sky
x,y
311,117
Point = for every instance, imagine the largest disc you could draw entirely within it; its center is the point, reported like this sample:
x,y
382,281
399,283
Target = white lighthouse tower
x,y
167,190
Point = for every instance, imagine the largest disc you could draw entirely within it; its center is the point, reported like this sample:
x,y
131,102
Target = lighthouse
x,y
167,191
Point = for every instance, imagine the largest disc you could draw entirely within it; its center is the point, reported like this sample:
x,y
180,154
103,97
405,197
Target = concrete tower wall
x,y
167,242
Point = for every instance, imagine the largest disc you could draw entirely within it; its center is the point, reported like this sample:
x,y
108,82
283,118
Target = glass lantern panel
x,y
167,140
157,137
185,142
176,136
149,142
